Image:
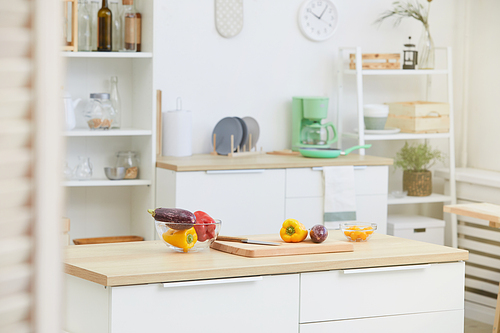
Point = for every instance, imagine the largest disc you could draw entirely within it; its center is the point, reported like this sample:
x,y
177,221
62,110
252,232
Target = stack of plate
x,y
241,128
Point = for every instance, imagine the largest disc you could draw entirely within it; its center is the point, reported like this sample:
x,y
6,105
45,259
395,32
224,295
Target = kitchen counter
x,y
136,263
204,162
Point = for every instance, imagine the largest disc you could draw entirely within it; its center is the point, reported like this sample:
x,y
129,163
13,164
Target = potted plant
x,y
415,160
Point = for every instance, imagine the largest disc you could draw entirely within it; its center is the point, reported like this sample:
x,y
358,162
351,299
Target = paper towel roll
x,y
177,133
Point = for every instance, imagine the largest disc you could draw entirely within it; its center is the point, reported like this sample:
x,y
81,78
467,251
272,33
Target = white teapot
x,y
69,111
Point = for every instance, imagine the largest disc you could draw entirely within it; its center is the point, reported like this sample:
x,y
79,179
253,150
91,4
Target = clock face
x,y
318,19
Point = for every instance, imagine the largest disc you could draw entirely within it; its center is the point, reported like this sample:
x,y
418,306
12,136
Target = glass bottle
x,y
83,171
115,7
129,31
426,53
104,28
94,8
115,102
84,24
129,160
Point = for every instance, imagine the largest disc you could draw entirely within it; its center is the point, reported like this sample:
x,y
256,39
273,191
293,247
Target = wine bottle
x,y
104,27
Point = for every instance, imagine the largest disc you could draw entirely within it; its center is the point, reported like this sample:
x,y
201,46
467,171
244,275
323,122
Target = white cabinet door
x,y
434,322
254,304
247,201
373,209
308,211
382,291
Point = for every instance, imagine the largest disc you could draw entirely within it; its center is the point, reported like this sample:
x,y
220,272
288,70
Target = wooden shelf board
x,y
105,182
111,132
434,197
107,54
399,136
397,71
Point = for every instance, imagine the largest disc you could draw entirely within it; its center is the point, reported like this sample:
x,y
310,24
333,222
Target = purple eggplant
x,y
175,218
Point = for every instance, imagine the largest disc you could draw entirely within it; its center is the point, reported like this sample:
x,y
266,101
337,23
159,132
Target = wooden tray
x,y
285,249
101,240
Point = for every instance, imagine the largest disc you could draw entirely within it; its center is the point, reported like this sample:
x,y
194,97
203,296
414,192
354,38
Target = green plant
x,y
417,157
401,10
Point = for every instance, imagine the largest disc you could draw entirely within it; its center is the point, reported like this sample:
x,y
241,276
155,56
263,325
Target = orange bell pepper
x,y
293,231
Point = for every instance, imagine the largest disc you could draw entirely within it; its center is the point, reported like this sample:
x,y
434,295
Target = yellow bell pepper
x,y
184,239
293,231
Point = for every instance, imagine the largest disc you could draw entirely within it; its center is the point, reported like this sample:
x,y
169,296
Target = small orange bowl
x,y
358,232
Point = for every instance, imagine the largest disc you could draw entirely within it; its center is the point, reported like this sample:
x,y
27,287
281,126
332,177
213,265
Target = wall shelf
x,y
111,132
107,54
396,72
434,197
398,136
106,182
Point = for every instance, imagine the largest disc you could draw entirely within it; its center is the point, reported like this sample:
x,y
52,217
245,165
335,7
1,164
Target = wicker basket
x,y
418,184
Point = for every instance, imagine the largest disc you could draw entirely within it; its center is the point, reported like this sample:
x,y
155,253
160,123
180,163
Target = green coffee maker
x,y
307,129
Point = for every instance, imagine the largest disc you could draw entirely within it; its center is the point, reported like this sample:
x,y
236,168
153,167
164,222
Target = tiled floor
x,y
472,326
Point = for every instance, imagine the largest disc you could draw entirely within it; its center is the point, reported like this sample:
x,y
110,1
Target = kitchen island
x,y
385,284
255,194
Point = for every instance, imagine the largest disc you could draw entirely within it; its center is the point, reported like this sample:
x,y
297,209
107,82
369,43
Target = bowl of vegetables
x,y
184,231
358,232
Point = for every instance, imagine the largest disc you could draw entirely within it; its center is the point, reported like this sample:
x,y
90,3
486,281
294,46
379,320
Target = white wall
x,y
484,86
257,72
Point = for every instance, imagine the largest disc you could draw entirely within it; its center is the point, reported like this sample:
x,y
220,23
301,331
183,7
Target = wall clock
x,y
318,19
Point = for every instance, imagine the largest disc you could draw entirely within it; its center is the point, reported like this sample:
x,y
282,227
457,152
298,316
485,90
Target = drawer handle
x,y
384,269
209,282
418,230
236,171
356,167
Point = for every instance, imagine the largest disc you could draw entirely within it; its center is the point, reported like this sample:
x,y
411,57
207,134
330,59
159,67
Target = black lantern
x,y
410,56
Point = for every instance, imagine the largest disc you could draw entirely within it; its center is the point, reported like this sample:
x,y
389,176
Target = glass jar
x,y
84,26
129,160
99,113
83,171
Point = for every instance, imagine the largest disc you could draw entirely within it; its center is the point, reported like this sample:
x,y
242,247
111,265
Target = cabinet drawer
x,y
247,201
383,291
434,322
308,182
219,305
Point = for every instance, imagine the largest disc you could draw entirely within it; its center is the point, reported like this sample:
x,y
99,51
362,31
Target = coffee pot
x,y
69,111
318,134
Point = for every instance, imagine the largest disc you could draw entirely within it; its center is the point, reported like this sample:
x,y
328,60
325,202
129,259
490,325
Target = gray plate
x,y
224,129
244,138
253,128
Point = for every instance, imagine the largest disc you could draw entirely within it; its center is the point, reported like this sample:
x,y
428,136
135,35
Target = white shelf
x,y
397,71
416,200
111,132
107,54
106,182
398,136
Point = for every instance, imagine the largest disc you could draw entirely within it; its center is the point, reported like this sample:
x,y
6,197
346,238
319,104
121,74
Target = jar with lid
x,y
129,160
99,113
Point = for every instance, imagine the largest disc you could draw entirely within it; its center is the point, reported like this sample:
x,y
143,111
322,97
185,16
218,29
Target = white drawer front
x,y
308,211
230,306
308,182
383,291
429,235
247,202
434,322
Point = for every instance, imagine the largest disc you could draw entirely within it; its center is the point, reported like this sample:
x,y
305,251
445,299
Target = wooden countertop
x,y
203,162
152,262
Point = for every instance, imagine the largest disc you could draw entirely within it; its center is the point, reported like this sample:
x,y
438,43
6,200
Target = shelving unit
x,y
100,207
361,137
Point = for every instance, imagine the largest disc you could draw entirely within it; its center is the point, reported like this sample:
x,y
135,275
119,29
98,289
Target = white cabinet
x,y
381,291
305,188
246,304
257,201
434,322
247,201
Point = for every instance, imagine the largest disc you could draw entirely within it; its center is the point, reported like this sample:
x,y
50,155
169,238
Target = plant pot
x,y
418,184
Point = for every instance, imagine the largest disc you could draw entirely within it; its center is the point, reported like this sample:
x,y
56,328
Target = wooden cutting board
x,y
285,249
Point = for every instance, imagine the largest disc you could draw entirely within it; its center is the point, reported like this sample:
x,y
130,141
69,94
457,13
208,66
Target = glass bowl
x,y
188,237
358,232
